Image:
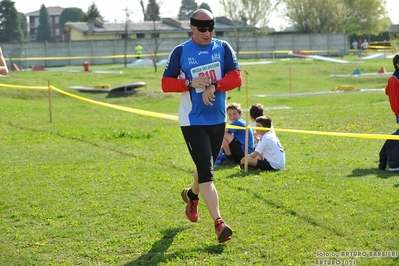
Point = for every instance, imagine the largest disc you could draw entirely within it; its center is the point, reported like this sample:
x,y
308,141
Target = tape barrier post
x,y
290,84
247,123
49,102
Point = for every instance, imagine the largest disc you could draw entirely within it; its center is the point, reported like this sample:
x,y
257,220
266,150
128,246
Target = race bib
x,y
212,70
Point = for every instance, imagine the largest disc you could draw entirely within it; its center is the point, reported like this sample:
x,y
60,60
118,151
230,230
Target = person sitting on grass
x,y
234,139
269,153
255,111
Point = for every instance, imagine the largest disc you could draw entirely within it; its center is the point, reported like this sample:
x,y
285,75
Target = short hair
x,y
265,121
234,106
200,12
256,110
395,61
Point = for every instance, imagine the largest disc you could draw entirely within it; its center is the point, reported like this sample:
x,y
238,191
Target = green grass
x,y
100,186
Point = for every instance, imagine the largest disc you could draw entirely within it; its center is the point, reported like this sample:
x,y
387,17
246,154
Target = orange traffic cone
x,y
37,68
382,71
15,67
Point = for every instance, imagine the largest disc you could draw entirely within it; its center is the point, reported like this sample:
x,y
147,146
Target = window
x,y
57,32
155,35
220,33
57,20
140,35
37,22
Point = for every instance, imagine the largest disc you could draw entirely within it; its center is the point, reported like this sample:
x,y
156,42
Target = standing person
x,y
3,64
234,139
354,44
202,69
364,46
392,88
269,153
389,154
139,50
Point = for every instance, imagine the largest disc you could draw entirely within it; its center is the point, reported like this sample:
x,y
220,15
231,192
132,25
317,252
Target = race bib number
x,y
212,70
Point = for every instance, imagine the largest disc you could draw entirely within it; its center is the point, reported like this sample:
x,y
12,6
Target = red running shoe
x,y
223,231
192,206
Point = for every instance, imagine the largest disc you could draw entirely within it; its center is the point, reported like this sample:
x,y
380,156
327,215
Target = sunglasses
x,y
204,29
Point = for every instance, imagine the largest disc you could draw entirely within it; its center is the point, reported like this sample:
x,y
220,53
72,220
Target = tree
x,y
155,41
312,16
366,17
249,12
205,6
10,23
152,11
92,13
186,9
72,14
24,26
142,7
361,17
44,30
246,12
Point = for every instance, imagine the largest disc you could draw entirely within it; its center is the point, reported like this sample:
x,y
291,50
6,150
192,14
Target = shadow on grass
x,y
292,212
237,174
371,171
156,255
119,94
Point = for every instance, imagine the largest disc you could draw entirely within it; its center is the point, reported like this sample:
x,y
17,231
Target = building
x,y
166,28
54,15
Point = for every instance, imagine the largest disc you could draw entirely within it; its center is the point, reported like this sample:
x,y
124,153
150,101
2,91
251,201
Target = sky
x,y
115,10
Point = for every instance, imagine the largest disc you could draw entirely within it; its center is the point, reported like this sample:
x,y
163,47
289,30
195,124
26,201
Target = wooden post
x,y
289,70
247,122
49,102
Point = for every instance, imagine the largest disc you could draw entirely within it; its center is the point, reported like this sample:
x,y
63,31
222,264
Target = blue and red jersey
x,y
216,60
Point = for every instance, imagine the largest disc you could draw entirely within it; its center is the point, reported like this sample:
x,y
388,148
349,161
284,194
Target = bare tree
x,y
252,12
244,13
126,34
151,13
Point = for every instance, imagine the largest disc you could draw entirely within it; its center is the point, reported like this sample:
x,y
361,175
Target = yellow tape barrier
x,y
335,134
175,118
127,109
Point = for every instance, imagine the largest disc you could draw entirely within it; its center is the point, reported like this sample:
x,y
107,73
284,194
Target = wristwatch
x,y
188,83
214,83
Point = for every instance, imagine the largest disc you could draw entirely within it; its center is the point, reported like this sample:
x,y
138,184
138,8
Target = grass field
x,y
100,186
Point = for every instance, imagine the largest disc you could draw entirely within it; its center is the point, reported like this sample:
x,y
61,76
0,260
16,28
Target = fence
x,y
50,54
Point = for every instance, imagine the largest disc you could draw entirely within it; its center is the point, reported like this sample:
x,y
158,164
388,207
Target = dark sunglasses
x,y
204,29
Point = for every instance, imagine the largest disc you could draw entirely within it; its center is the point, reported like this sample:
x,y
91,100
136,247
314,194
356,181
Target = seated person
x,y
269,153
234,139
389,154
255,111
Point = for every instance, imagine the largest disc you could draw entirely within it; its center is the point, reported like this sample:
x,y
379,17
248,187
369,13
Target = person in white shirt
x,y
365,45
354,44
269,153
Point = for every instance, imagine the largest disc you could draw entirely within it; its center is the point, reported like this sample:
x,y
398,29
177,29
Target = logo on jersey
x,y
216,57
192,61
203,52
